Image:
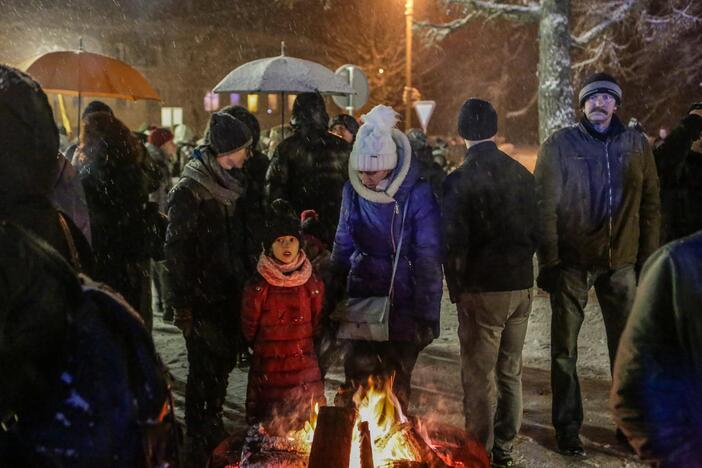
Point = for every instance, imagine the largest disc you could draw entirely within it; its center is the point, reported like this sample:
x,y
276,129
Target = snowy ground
x,y
437,390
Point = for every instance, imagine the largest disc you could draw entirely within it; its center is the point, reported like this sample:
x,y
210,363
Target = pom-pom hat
x,y
374,148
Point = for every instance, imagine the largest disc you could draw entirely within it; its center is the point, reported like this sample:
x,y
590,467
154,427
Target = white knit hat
x,y
374,149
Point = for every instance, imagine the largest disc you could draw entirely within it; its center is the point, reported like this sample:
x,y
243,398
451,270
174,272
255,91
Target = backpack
x,y
111,404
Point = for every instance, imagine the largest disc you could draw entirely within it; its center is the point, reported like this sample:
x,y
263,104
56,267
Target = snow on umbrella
x,y
283,74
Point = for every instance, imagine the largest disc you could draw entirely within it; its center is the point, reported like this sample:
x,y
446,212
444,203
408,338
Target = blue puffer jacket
x,y
368,231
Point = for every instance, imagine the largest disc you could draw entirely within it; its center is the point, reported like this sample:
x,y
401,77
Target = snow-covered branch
x,y
616,16
525,13
434,32
524,110
438,32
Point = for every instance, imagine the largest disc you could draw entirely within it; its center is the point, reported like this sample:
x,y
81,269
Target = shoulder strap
x,y
73,251
399,246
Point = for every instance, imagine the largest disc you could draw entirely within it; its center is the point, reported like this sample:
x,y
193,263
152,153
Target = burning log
x,y
331,445
366,448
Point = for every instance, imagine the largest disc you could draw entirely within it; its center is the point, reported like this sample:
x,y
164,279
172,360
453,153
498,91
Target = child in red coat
x,y
282,308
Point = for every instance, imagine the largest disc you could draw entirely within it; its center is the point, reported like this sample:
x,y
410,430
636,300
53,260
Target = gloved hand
x,y
425,333
548,278
183,319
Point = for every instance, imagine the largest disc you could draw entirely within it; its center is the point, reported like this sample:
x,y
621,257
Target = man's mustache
x,y
599,109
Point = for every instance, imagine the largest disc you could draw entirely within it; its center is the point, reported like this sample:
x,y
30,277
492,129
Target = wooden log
x,y
331,445
366,448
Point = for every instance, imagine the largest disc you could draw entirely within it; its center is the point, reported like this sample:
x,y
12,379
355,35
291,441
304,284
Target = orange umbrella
x,y
77,73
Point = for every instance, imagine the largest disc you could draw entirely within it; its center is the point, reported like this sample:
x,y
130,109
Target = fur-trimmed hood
x,y
404,176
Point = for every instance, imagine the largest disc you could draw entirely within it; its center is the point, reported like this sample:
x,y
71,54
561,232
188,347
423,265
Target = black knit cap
x,y
347,121
29,139
283,221
248,118
600,83
227,133
477,120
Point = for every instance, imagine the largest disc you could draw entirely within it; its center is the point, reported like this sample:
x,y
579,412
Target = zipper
x,y
610,201
395,212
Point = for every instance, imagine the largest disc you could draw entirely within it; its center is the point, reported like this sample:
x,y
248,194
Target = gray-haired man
x,y
599,213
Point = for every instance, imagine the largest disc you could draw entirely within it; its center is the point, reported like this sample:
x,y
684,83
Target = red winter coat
x,y
280,322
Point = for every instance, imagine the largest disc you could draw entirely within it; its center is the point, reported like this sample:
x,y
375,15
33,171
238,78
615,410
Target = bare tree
x,y
595,33
370,34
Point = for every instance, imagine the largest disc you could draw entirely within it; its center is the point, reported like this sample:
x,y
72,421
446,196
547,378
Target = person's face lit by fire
x,y
285,249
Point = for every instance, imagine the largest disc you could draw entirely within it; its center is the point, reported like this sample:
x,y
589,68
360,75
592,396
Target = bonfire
x,y
373,433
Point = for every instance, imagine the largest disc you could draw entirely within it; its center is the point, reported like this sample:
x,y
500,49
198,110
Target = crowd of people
x,y
334,250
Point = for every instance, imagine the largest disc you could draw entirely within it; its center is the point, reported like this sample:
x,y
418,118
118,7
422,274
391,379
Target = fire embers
x,y
372,433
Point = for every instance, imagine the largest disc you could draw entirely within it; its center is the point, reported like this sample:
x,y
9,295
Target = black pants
x,y
615,291
205,390
383,359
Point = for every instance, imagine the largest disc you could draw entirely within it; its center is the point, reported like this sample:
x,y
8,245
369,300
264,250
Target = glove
x,y
425,333
548,278
183,319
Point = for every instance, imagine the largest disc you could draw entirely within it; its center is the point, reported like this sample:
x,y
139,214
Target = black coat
x,y
117,197
489,218
308,170
254,203
680,173
205,248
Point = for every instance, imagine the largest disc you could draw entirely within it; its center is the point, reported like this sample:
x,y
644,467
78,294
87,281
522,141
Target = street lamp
x,y
407,95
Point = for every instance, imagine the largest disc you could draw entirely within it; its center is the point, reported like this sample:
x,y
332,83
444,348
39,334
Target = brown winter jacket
x,y
598,199
280,323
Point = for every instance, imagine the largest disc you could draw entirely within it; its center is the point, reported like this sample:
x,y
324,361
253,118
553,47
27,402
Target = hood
x,y
403,177
309,112
29,139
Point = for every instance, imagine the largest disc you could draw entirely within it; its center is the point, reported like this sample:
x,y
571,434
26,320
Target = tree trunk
x,y
555,92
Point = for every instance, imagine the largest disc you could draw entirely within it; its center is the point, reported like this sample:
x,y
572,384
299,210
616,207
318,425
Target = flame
x,y
389,428
378,406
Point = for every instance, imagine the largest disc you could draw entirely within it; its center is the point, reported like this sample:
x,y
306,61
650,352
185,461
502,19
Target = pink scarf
x,y
286,275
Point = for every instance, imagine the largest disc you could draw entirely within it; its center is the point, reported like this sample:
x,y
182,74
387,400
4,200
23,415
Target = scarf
x,y
286,275
223,186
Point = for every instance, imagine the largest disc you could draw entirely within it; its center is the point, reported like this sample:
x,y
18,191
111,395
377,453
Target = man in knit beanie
x,y
599,215
207,267
489,218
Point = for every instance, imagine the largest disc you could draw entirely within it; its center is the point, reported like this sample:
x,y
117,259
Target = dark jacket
x,y
598,197
117,196
489,218
205,247
658,371
280,323
85,378
254,204
369,229
431,171
308,170
680,173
